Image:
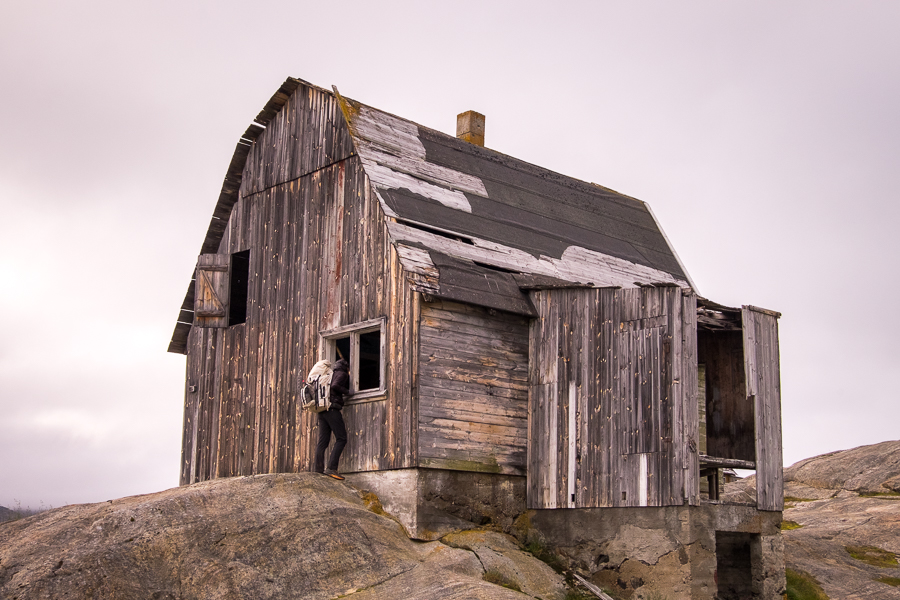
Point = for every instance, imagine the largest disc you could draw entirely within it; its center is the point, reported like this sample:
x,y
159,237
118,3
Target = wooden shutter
x,y
761,367
211,291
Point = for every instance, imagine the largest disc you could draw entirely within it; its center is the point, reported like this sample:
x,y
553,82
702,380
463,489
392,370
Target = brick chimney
x,y
470,127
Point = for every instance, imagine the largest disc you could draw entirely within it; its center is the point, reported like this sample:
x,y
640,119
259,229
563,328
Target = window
x,y
362,345
240,275
220,289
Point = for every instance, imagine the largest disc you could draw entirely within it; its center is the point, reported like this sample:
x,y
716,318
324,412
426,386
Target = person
x,y
331,421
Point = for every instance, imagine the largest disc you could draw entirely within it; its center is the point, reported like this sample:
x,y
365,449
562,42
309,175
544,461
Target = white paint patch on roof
x,y
394,158
578,265
417,260
385,177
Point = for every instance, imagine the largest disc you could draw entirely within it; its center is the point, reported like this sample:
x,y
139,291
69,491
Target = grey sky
x,y
765,135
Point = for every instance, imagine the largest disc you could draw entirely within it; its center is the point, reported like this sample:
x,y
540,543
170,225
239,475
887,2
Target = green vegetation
x,y
888,493
803,586
894,581
372,503
873,555
537,549
498,578
788,525
541,552
574,593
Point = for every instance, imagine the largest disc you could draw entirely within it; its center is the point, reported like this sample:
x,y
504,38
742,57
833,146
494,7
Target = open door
x,y
763,381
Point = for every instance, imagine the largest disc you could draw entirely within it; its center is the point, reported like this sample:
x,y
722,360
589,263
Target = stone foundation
x,y
431,503
713,551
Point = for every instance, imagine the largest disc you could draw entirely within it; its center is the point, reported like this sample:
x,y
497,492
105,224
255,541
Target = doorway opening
x,y
734,565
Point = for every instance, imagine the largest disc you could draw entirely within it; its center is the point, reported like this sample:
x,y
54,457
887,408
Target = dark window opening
x,y
370,360
495,268
342,348
446,234
240,275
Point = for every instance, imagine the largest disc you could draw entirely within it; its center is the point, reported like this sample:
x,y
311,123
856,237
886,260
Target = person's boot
x,y
333,473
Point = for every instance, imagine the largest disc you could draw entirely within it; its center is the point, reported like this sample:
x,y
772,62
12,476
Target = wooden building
x,y
501,320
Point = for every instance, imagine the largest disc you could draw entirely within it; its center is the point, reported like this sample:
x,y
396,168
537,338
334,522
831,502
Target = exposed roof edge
x,y
672,248
228,197
712,316
709,304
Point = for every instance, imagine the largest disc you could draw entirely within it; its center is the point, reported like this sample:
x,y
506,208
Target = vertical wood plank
x,y
761,356
688,446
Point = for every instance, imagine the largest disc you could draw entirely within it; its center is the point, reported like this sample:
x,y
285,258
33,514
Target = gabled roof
x,y
473,224
477,205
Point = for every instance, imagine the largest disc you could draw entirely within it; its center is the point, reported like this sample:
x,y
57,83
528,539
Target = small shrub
x,y
872,555
541,552
894,581
498,578
803,586
788,525
372,502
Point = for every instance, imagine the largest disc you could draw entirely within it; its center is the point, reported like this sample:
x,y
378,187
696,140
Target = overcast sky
x,y
765,136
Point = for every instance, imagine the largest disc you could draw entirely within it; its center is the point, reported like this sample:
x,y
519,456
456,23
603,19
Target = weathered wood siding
x,y
319,258
612,398
763,377
473,388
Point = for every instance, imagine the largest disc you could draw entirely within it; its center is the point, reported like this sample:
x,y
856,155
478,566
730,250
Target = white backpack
x,y
315,392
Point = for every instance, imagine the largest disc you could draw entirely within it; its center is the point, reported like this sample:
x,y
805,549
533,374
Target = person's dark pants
x,y
330,421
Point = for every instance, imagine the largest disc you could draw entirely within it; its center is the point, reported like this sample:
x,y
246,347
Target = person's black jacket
x,y
340,384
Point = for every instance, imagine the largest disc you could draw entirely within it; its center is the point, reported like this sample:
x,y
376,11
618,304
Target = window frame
x,y
327,351
243,293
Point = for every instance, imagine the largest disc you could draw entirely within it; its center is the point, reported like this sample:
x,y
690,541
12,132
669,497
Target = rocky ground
x,y
848,499
269,536
309,536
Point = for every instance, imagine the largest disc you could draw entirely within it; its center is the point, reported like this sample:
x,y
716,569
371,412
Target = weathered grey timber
x,y
512,333
473,389
764,386
607,411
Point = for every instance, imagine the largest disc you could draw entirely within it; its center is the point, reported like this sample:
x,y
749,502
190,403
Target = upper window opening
x,y
446,234
240,275
495,268
361,345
